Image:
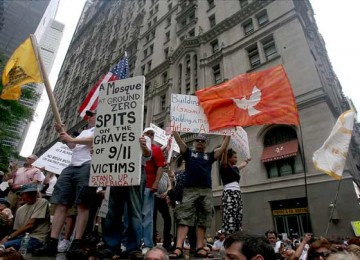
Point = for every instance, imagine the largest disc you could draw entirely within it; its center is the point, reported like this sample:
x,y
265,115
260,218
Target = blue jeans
x,y
16,243
132,196
147,218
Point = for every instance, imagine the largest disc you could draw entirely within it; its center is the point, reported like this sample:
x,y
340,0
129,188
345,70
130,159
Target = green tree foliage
x,y
10,112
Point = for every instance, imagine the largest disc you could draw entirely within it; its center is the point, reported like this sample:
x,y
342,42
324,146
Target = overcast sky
x,y
337,21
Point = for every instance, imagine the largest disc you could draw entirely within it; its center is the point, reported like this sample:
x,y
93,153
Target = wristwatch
x,y
9,237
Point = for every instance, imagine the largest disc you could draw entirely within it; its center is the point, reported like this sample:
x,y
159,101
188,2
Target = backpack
x,y
176,193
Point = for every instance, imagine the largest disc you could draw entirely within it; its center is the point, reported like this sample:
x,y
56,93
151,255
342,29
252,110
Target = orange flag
x,y
258,98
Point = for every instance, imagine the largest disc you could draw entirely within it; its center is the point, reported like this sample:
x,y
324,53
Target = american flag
x,y
120,71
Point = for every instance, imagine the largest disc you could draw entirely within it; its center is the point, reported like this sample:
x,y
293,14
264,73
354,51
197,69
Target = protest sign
x,y
55,159
117,155
104,208
162,137
188,116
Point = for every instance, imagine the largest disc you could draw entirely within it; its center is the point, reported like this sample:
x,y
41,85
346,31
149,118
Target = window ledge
x,y
263,63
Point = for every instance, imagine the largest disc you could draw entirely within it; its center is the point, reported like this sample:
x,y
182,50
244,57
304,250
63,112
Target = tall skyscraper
x,y
186,45
20,19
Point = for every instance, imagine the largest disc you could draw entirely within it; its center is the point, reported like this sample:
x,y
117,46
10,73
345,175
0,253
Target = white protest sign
x,y
55,159
116,160
240,142
162,138
188,116
104,208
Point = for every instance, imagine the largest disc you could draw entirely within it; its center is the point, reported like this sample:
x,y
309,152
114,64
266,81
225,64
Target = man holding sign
x,y
72,187
197,196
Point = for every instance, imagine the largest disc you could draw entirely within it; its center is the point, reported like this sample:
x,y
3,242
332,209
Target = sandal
x,y
201,254
174,255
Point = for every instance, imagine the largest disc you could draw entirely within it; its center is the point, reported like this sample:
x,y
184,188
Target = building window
x,y
192,33
211,4
167,36
217,74
165,77
269,48
170,6
149,25
183,23
149,65
143,70
281,156
151,49
155,20
147,89
166,52
248,27
153,34
180,77
187,88
163,102
254,57
244,3
212,21
168,21
145,53
262,18
215,45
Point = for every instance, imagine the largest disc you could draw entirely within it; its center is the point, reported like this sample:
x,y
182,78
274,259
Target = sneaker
x,y
145,250
63,245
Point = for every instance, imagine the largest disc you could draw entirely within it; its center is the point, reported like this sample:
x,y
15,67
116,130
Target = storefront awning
x,y
280,151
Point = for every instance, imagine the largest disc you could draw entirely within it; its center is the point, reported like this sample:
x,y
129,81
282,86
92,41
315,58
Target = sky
x,y
337,22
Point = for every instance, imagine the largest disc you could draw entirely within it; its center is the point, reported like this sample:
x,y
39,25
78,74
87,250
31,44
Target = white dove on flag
x,y
244,103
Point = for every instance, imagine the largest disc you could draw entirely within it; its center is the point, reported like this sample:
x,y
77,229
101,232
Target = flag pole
x,y
333,209
46,80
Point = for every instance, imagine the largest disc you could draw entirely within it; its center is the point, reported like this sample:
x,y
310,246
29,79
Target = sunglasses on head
x,y
323,254
200,141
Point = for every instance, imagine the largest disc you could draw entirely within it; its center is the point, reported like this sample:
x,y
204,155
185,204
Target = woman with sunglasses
x,y
231,199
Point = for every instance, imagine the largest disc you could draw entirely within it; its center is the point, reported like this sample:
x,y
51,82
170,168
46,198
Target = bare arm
x,y
298,252
180,142
244,163
159,173
222,148
72,142
30,225
224,159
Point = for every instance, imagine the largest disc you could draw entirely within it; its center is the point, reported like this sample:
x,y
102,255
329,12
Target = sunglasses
x,y
200,141
323,254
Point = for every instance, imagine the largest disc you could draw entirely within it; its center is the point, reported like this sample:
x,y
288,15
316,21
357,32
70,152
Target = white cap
x,y
149,129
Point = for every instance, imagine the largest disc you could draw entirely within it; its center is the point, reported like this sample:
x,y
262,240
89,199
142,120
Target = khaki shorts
x,y
196,207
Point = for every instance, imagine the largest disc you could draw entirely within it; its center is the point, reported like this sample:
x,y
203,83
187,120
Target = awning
x,y
280,151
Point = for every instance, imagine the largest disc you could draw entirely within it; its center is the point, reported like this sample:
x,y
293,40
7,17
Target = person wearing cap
x,y
23,175
72,187
154,171
33,217
197,195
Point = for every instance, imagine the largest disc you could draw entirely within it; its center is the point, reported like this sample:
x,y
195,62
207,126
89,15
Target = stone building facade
x,y
182,46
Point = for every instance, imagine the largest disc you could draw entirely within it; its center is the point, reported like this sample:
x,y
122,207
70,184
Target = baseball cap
x,y
5,201
90,112
30,187
200,137
149,129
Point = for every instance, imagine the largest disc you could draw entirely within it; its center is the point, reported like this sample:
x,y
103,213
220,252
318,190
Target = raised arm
x,y
244,163
224,157
222,148
180,142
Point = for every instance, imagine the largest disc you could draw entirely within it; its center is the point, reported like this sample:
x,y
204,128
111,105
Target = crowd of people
x,y
60,213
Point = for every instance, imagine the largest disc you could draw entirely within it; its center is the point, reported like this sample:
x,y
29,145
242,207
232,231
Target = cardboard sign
x,y
117,155
55,159
188,116
162,137
104,208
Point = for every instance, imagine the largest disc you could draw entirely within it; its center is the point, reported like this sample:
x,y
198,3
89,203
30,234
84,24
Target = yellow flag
x,y
21,68
331,156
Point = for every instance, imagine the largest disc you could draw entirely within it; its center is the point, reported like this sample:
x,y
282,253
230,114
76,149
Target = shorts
x,y
196,207
72,187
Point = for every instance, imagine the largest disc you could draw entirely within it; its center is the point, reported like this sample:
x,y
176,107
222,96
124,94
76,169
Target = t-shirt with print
x,y
198,168
40,211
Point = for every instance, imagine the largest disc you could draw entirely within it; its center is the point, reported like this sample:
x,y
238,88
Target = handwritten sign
x,y
116,159
104,208
55,159
188,116
162,137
